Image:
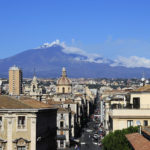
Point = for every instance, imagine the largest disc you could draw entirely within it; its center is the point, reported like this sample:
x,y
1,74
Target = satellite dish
x,y
147,81
143,79
138,122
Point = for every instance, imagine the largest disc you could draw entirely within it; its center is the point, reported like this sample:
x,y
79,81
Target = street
x,y
87,141
90,138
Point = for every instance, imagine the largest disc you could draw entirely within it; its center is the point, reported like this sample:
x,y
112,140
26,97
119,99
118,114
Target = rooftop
x,y
7,102
64,110
138,142
14,68
69,102
145,88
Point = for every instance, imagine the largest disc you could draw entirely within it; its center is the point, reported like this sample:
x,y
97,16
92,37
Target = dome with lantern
x,y
63,80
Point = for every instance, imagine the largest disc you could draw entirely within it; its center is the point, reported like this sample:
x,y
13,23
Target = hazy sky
x,y
111,28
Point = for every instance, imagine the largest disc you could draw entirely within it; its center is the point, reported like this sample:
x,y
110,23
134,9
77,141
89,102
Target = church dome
x,y
63,80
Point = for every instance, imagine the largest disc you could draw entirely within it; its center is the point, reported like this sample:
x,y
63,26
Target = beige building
x,y
65,122
135,111
15,81
64,84
77,109
26,124
35,90
65,127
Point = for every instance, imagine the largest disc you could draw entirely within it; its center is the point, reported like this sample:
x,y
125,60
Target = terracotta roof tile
x,y
145,88
7,102
52,102
63,110
138,142
35,103
69,102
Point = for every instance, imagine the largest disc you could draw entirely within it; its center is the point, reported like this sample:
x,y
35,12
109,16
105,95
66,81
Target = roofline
x,y
139,92
64,84
27,110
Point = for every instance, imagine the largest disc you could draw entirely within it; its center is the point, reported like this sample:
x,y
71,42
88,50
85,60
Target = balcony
x,y
129,113
63,128
130,106
21,126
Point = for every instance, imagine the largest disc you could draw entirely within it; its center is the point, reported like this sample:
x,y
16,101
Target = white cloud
x,y
89,57
131,62
56,42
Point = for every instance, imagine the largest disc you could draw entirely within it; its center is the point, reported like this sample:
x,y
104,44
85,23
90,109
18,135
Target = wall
x,y
144,99
46,130
11,132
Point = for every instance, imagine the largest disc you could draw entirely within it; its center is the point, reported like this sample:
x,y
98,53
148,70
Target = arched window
x,y
33,88
63,90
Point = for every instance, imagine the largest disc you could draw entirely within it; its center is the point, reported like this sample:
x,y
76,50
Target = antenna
x,y
143,75
143,79
34,71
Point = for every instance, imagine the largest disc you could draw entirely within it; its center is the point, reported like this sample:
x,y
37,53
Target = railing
x,y
21,126
130,106
63,128
130,112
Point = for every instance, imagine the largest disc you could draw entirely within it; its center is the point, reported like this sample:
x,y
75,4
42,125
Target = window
x,y
61,143
129,123
61,116
21,148
145,122
33,88
61,124
63,90
136,102
21,122
0,121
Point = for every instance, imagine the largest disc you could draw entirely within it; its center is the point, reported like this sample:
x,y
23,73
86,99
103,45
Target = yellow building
x,y
15,81
26,124
137,110
64,84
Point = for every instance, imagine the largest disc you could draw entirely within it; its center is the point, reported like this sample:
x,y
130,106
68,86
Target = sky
x,y
114,29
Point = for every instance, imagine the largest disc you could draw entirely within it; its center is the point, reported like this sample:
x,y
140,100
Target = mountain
x,y
48,61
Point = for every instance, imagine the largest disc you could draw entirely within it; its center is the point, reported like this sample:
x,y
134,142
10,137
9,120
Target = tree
x,y
117,141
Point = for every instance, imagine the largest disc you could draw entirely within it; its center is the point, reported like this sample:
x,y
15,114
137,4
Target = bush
x,y
117,141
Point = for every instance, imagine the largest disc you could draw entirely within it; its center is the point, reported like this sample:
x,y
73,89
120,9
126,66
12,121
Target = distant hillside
x,y
48,62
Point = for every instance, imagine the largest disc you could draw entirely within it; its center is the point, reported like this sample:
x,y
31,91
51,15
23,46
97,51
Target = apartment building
x,y
15,81
65,127
135,111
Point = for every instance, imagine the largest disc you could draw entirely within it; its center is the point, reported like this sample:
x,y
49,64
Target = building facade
x,y
132,111
26,125
64,84
15,81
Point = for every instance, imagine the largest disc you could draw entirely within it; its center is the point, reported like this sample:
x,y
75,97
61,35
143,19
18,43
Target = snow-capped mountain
x,y
49,59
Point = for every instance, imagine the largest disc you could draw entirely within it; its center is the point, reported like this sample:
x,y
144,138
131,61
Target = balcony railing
x,y
63,128
21,126
143,113
130,106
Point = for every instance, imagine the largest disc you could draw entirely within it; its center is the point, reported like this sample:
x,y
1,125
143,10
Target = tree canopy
x,y
117,141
